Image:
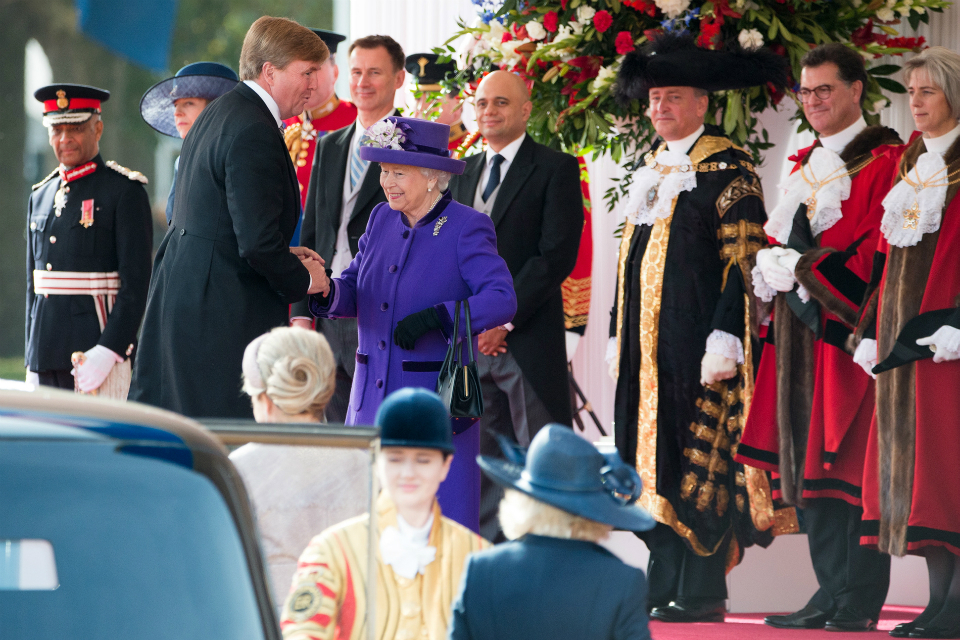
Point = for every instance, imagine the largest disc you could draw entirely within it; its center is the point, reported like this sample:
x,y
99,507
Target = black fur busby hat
x,y
674,60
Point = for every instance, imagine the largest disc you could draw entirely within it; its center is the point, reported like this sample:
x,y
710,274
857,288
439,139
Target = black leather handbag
x,y
459,383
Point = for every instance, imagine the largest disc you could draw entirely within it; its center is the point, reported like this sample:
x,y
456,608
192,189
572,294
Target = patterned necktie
x,y
494,180
357,165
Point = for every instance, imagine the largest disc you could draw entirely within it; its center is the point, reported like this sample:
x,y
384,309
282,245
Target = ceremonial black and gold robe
x,y
678,280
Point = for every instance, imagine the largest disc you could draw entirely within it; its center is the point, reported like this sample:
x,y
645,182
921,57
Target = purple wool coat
x,y
449,255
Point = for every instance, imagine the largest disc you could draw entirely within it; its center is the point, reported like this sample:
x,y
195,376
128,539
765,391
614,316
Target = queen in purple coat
x,y
421,252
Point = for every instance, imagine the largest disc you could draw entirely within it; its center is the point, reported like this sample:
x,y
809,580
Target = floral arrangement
x,y
568,52
388,134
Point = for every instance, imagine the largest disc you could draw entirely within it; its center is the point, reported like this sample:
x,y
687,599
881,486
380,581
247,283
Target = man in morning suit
x,y
342,193
532,194
225,273
88,250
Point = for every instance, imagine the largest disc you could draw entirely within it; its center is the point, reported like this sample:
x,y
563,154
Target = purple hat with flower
x,y
410,141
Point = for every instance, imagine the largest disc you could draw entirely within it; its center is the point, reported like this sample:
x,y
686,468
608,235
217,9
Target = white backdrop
x,y
757,585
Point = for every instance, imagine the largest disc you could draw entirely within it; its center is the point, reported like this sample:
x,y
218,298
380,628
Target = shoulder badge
x,y
46,180
304,602
130,173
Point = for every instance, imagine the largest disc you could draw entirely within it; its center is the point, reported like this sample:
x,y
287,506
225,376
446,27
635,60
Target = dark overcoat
x,y
547,588
120,239
538,216
224,273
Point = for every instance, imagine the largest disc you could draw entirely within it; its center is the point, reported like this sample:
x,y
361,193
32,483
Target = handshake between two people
x,y
319,281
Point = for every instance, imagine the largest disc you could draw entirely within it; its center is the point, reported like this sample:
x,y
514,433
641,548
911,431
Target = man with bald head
x,y
532,193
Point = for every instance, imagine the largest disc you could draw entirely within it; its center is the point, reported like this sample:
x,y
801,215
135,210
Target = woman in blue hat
x,y
421,253
172,105
553,580
420,553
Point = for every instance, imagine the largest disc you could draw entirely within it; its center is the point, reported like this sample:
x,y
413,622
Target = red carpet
x,y
749,626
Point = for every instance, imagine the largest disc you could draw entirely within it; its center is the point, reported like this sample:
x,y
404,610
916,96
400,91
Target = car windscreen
x,y
143,547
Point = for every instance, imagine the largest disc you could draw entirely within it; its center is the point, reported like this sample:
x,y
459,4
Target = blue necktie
x,y
494,180
357,165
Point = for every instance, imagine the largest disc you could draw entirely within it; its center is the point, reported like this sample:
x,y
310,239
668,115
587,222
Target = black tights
x,y
943,611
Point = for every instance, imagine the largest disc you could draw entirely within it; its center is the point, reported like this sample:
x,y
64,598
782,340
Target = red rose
x,y
624,43
550,21
602,20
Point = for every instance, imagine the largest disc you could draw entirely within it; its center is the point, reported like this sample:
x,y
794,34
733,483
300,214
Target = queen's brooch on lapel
x,y
86,213
440,221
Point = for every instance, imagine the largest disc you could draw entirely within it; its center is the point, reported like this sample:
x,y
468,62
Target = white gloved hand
x,y
714,368
789,259
613,364
866,356
945,343
33,378
775,275
95,369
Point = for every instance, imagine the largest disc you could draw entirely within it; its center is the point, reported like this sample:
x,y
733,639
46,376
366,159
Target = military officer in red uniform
x,y
433,104
88,251
812,408
325,112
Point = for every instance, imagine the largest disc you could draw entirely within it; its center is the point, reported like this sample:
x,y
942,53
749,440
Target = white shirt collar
x,y
509,152
685,144
267,100
839,141
942,143
417,536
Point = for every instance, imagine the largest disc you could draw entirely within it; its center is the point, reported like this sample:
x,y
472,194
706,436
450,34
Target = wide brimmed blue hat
x,y
207,80
567,472
410,141
414,417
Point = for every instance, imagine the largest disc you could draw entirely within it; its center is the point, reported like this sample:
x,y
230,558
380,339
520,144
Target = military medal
x,y
86,213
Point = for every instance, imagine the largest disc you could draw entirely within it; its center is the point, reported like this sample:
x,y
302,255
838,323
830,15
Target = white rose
x,y
920,10
535,30
605,76
885,15
585,14
904,11
672,8
495,35
750,39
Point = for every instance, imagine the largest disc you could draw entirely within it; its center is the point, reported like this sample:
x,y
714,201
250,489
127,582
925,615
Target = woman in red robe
x,y
911,489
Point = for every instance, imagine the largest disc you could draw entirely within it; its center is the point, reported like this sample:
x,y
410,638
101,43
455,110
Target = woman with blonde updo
x,y
290,374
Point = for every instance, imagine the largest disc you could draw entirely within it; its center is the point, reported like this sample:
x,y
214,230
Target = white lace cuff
x,y
760,287
721,343
611,350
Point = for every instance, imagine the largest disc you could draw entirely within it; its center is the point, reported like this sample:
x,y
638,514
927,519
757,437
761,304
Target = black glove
x,y
410,329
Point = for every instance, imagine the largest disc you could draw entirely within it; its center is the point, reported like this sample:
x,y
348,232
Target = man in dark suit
x,y
532,193
343,191
224,273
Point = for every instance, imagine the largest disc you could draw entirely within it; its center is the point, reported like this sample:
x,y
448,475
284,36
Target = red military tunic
x,y
834,395
461,140
576,288
303,133
911,488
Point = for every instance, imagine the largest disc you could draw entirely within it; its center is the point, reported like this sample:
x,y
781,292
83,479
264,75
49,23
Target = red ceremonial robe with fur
x,y
912,487
812,406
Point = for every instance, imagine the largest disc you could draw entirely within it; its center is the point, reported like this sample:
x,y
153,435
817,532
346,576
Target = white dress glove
x,y
789,259
866,356
714,368
945,343
775,275
91,374
33,378
613,365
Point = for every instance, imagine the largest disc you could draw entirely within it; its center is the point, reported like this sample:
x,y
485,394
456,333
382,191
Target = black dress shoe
x,y
807,618
703,611
849,619
903,629
935,632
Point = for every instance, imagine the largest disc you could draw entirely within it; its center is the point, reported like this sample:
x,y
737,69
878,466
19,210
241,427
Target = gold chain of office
x,y
816,184
911,217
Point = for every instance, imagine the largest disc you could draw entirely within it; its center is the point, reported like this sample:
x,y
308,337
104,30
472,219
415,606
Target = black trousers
x,y
677,574
849,575
341,333
59,378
